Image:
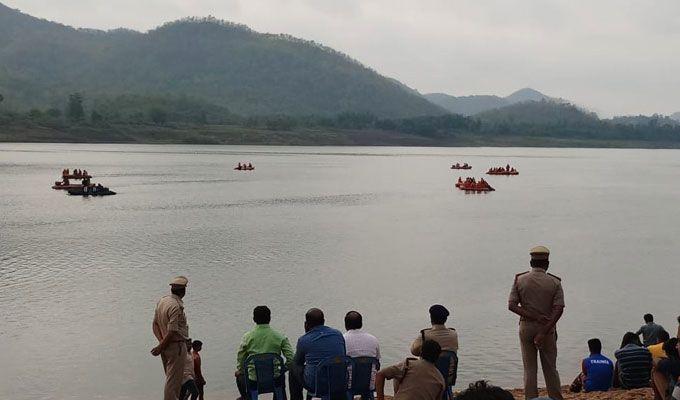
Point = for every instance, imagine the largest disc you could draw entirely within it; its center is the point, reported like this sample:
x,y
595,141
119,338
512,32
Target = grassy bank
x,y
238,135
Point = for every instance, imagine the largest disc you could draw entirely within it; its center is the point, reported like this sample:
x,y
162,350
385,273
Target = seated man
x,y
597,371
650,331
483,391
414,379
317,344
667,370
446,337
657,349
261,339
357,342
633,363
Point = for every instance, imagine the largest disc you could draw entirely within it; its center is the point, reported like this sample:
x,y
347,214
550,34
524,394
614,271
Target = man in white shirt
x,y
357,342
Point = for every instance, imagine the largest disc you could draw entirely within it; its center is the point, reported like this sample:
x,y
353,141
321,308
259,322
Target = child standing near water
x,y
197,346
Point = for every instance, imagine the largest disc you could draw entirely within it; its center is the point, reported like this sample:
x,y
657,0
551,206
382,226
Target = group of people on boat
x,y
472,184
77,173
459,166
507,170
244,167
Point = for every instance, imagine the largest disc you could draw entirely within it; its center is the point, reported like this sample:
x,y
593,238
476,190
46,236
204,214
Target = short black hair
x,y
671,348
314,317
664,336
543,264
262,315
430,351
595,346
353,320
438,314
197,344
481,390
649,318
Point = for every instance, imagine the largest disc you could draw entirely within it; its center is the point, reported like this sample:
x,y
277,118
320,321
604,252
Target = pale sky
x,y
611,56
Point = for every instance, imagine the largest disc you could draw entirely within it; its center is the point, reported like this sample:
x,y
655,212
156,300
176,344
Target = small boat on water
x,y
459,166
60,185
91,191
507,171
472,185
244,167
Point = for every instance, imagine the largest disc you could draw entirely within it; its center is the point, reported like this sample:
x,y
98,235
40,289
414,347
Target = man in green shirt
x,y
261,339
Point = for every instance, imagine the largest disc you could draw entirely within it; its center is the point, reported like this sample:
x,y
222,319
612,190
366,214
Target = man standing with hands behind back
x,y
538,299
171,329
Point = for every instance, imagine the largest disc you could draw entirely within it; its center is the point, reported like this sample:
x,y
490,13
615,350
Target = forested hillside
x,y
217,62
471,105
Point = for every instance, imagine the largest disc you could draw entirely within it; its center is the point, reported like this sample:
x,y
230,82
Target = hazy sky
x,y
612,56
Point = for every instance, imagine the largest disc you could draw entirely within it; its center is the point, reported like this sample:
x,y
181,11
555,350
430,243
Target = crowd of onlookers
x,y
654,361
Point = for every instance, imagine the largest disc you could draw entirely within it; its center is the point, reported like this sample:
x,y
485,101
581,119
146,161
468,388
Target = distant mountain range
x,y
225,64
471,105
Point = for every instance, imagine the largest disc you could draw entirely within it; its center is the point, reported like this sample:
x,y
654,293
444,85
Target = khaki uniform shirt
x,y
447,339
537,291
418,380
170,316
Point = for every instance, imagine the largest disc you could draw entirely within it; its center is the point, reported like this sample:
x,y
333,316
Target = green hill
x,y
225,64
471,105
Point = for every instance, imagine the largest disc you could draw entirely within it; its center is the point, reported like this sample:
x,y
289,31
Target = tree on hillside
x,y
158,116
75,111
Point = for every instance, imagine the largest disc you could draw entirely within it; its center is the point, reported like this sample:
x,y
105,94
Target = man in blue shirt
x,y
317,344
597,371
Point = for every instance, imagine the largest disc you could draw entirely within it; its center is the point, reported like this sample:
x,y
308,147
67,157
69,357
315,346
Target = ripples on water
x,y
380,230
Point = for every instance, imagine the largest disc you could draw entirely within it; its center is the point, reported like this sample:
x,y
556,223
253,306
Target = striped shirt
x,y
635,365
361,344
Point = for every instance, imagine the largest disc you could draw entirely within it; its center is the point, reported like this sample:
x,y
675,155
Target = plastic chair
x,y
447,364
363,376
268,368
332,379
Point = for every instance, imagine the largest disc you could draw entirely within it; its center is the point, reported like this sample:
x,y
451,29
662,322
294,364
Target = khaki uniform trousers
x,y
173,358
548,355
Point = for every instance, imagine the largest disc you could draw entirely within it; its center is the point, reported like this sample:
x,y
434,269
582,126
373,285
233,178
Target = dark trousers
x,y
189,387
296,382
200,391
241,385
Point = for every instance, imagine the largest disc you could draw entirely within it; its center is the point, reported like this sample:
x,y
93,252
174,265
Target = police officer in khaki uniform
x,y
538,299
446,337
171,329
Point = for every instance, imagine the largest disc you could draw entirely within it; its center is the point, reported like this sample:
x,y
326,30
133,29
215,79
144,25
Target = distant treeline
x,y
531,119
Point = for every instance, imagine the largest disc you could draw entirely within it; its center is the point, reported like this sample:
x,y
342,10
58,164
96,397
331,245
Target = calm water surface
x,y
380,230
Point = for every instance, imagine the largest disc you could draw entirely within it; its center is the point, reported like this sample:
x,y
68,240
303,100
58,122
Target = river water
x,y
379,230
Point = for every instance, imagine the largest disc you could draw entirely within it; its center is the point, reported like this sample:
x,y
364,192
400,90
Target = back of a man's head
x,y
438,314
314,317
353,320
630,338
430,351
481,390
649,318
595,346
262,315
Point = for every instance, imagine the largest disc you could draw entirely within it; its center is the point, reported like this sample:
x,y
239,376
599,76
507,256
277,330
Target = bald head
x,y
314,317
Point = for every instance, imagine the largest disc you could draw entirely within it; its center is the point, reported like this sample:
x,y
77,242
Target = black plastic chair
x,y
332,379
363,376
269,372
447,364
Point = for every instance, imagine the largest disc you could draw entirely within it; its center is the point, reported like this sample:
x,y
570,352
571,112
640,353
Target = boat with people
x,y
463,166
244,167
507,170
473,185
68,175
91,190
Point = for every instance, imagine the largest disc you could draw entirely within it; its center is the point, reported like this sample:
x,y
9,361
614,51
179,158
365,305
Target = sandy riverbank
x,y
636,394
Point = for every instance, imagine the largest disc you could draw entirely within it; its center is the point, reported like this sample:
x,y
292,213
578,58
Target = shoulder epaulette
x,y
556,277
453,329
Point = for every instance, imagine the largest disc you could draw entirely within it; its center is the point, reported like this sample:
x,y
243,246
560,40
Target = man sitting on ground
x,y
357,342
414,379
650,331
483,391
633,363
261,339
317,344
667,370
446,337
597,371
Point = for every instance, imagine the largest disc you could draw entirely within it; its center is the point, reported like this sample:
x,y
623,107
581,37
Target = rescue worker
x,y
538,299
171,329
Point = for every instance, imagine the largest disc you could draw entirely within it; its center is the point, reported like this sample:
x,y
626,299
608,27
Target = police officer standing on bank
x,y
171,329
538,299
